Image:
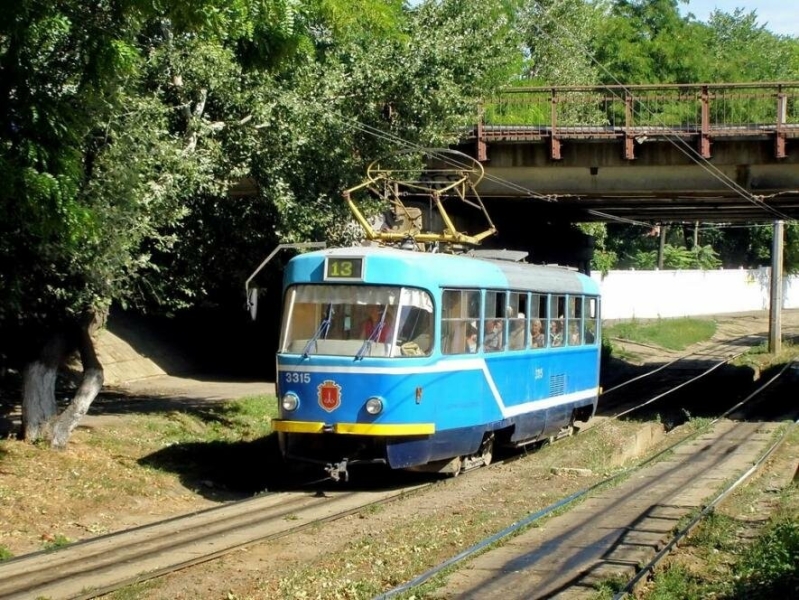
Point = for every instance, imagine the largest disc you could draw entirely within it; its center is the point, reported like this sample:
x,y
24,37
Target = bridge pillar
x,y
629,137
779,136
554,142
704,135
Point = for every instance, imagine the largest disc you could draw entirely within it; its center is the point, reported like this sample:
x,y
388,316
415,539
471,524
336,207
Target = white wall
x,y
653,294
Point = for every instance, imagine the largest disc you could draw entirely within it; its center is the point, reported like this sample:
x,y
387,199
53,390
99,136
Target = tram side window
x,y
496,320
517,315
557,312
539,321
460,320
574,323
591,320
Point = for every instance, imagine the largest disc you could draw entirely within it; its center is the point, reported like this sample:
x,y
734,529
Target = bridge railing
x,y
696,111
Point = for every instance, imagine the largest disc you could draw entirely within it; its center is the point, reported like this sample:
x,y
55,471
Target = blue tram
x,y
425,361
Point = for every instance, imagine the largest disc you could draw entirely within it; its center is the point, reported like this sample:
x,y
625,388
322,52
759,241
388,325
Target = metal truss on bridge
x,y
710,152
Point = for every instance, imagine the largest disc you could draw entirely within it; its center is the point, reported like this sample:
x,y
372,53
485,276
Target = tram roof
x,y
391,266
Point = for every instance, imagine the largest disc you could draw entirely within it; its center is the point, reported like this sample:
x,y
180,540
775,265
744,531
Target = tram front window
x,y
357,321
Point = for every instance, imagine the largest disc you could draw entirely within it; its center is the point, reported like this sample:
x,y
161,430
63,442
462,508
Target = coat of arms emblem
x,y
329,395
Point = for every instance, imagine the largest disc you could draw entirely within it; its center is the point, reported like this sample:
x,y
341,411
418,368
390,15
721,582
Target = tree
x,y
558,35
96,167
647,41
124,126
741,49
316,126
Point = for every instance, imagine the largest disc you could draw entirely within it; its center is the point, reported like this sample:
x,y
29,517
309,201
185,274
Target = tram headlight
x,y
290,401
374,405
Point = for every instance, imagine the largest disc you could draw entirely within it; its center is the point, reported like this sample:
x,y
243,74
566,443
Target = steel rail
x,y
170,545
649,567
696,353
518,526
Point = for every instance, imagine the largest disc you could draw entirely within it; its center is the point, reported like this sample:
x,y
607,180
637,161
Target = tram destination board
x,y
344,267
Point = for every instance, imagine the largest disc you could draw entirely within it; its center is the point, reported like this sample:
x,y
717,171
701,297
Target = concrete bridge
x,y
654,153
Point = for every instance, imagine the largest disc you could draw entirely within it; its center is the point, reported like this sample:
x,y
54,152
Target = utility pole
x,y
663,229
775,310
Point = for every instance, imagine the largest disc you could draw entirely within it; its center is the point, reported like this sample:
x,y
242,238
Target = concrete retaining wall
x,y
653,294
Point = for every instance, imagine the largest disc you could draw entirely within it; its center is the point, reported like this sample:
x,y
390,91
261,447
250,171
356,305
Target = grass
x,y
759,357
152,463
245,419
722,567
736,552
674,334
57,541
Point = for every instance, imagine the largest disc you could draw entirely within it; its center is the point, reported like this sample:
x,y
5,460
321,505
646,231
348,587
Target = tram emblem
x,y
329,395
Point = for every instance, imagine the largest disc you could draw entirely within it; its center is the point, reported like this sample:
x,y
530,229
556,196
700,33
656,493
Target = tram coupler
x,y
338,471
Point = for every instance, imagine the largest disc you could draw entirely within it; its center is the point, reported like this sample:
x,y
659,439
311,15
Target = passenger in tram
x,y
556,333
574,334
493,337
590,338
471,339
516,341
372,322
537,339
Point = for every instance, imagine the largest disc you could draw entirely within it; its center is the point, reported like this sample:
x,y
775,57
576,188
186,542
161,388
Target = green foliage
x,y
558,34
95,165
764,569
716,532
607,589
57,541
244,419
678,582
760,245
676,334
702,257
648,42
5,553
122,129
311,131
768,567
603,259
740,49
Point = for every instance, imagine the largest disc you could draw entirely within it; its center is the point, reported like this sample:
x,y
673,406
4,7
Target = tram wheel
x,y
487,450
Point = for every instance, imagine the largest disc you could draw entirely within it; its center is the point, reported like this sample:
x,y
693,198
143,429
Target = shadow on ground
x,y
224,471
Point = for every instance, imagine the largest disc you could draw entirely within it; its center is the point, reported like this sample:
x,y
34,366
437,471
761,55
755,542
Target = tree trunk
x,y
40,420
90,385
38,390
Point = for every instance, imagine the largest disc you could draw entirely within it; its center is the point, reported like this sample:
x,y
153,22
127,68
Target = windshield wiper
x,y
374,336
324,327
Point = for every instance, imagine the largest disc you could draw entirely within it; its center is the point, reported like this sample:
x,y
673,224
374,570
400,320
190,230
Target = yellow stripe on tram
x,y
297,426
381,429
354,428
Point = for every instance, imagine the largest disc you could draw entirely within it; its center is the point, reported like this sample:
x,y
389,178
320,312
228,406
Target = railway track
x,y
101,565
665,379
622,521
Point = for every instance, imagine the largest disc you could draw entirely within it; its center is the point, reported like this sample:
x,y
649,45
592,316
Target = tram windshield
x,y
357,321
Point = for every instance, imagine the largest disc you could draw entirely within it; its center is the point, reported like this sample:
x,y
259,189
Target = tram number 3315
x,y
292,377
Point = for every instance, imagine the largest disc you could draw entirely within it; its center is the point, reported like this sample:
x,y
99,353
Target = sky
x,y
779,16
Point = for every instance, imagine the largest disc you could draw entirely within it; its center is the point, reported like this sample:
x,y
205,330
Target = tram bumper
x,y
398,445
